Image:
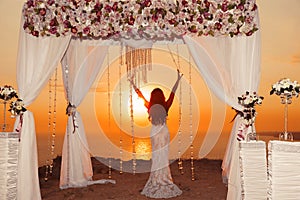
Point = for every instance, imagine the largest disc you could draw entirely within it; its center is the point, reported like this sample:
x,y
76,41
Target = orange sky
x,y
280,32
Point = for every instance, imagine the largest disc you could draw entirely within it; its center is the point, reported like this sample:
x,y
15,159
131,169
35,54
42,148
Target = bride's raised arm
x,y
139,93
179,76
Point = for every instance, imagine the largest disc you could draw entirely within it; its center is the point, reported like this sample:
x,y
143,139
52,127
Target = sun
x,y
140,113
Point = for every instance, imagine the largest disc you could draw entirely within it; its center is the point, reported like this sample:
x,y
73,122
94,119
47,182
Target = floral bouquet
x,y
7,92
248,101
286,89
17,107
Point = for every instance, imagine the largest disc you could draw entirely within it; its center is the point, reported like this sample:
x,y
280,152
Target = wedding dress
x,y
160,183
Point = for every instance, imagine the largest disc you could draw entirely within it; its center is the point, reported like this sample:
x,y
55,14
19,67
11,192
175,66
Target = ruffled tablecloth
x,y
253,170
8,165
284,170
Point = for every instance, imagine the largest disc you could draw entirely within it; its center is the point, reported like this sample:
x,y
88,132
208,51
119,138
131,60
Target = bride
x,y
160,183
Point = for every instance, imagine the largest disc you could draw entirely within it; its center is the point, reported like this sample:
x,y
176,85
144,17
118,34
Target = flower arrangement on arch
x,y
17,107
286,88
248,100
150,19
7,93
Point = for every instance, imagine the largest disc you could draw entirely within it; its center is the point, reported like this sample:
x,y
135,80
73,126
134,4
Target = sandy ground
x,y
207,184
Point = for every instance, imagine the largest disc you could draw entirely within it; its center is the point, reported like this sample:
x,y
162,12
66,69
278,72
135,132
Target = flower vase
x,y
4,117
251,136
286,100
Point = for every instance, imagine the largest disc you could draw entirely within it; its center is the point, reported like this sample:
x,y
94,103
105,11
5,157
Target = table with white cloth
x,y
284,170
9,142
253,170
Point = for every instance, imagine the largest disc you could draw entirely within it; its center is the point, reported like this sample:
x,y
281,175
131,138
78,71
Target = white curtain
x,y
37,59
230,67
81,65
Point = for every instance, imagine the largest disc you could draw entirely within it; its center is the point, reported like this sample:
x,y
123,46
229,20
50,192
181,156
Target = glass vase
x,y
286,136
4,125
251,136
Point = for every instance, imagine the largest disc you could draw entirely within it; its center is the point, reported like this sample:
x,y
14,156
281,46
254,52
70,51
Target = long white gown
x,y
160,183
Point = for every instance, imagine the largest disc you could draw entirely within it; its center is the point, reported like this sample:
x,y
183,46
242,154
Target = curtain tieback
x,y
236,114
71,111
243,128
19,127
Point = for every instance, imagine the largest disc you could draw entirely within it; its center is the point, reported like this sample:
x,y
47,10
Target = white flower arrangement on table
x,y
248,101
7,92
285,88
17,107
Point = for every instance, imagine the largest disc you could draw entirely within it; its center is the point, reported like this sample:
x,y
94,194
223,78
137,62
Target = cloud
x,y
295,59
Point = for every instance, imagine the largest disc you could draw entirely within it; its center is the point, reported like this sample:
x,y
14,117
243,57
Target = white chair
x,y
9,143
253,170
284,170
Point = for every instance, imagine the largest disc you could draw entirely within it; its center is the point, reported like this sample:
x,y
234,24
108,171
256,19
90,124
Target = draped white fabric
x,y
37,59
81,65
230,67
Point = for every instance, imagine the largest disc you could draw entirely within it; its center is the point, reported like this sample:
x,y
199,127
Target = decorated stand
x,y
286,90
222,37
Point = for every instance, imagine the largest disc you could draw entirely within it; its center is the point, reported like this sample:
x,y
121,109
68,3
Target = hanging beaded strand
x,y
108,114
131,73
132,132
54,122
120,105
191,121
138,62
177,64
49,127
180,162
51,124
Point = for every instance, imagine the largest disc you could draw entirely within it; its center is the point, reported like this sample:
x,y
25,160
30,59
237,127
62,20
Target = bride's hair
x,y
157,97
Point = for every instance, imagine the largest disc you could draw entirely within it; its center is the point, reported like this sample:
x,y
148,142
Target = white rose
x,y
42,5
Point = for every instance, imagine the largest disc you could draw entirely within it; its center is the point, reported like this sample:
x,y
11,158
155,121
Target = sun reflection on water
x,y
143,149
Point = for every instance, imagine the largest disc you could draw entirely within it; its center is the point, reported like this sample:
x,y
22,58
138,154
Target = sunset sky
x,y
280,30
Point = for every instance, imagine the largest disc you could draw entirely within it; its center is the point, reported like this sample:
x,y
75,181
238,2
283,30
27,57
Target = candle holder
x,y
286,100
4,126
251,136
286,89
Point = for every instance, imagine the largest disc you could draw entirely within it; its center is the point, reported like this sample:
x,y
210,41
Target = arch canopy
x,y
222,36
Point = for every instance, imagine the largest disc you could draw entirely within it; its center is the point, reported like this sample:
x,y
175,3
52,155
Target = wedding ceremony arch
x,y
222,36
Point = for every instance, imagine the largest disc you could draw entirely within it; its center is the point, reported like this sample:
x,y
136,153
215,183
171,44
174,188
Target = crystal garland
x,y
191,121
51,125
177,65
120,111
108,109
180,162
132,133
138,62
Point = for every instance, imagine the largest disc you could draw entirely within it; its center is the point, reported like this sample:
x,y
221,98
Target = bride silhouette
x,y
160,183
